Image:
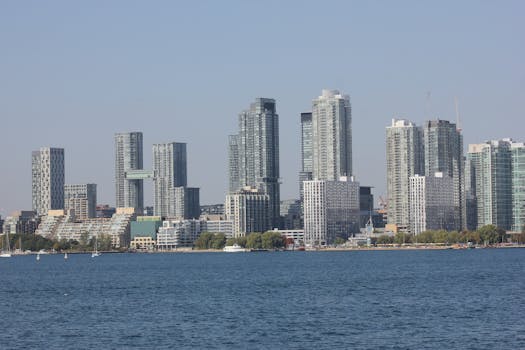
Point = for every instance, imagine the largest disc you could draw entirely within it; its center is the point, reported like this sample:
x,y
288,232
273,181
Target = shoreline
x,y
330,249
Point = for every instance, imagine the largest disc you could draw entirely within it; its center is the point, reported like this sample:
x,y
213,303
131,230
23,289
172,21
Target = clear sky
x,y
73,73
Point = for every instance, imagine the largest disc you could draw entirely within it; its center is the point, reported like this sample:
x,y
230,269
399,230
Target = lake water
x,y
457,299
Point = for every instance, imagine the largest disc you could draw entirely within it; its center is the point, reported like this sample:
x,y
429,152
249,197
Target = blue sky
x,y
72,73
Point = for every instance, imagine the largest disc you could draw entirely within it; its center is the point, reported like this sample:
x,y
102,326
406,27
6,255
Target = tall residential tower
x,y
331,136
404,158
443,145
489,172
257,156
128,156
48,177
169,166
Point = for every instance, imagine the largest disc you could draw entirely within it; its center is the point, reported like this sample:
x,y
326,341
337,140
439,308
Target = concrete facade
x,y
48,176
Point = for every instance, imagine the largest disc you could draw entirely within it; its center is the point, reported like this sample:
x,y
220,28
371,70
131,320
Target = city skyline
x,y
141,84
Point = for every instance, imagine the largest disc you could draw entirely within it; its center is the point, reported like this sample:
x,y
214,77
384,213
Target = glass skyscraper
x,y
518,186
128,156
490,182
256,157
443,145
331,136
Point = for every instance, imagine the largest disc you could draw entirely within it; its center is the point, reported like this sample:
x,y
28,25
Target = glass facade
x,y
128,156
518,187
490,183
257,154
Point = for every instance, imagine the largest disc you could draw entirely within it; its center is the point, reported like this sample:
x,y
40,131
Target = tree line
x,y
255,240
36,243
488,234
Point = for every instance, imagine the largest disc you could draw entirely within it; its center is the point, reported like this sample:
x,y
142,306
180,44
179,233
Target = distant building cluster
x,y
431,185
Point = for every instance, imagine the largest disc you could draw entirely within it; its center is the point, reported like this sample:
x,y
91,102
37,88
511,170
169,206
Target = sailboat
x,y
38,257
95,251
65,256
6,253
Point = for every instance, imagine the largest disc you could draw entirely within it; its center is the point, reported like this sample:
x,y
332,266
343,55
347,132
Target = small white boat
x,y
65,256
6,253
38,257
233,249
95,250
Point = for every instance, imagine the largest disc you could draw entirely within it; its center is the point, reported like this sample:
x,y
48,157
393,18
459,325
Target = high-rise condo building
x,y
82,199
331,136
331,210
306,143
128,157
306,156
233,165
170,169
443,145
257,155
518,186
404,158
185,203
48,178
248,209
490,182
432,203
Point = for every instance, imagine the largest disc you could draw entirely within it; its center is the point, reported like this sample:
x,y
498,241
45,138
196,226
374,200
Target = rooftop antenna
x,y
458,125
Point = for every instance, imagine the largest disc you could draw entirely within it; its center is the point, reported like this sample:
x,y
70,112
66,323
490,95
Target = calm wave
x,y
471,299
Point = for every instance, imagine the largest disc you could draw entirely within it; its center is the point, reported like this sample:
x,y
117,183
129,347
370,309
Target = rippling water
x,y
473,299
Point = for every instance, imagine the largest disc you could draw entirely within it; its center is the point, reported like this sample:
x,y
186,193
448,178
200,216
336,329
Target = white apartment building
x,y
48,179
248,209
331,209
178,233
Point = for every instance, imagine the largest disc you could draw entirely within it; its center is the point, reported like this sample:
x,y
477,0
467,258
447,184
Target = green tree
x,y
425,237
339,241
204,240
218,241
84,240
492,234
272,240
254,241
385,239
454,237
473,236
402,238
441,236
104,242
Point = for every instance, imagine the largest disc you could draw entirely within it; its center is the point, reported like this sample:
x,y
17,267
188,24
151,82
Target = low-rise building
x,y
142,243
61,225
217,226
22,221
178,233
296,235
145,226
